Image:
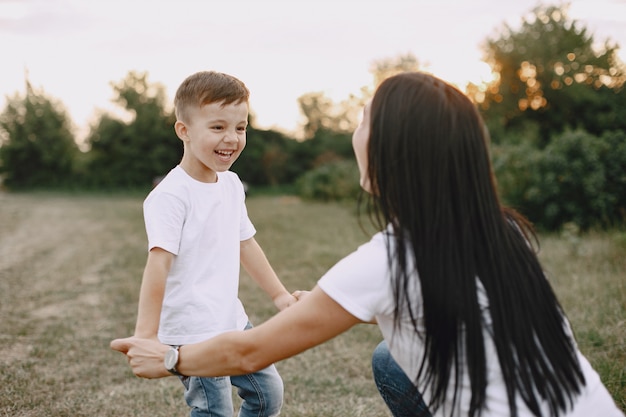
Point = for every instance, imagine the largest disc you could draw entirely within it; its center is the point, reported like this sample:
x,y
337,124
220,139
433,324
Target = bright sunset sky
x,y
281,49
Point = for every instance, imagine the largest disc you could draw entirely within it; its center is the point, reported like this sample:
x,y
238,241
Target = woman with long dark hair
x,y
471,325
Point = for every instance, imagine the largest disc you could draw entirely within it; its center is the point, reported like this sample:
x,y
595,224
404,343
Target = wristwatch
x,y
171,360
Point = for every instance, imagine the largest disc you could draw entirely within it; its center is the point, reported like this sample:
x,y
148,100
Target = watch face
x,y
171,358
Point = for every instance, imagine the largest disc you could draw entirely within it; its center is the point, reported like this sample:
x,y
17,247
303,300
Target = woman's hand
x,y
145,356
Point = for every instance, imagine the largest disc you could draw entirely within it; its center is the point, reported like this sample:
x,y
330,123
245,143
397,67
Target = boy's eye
x,y
241,129
218,127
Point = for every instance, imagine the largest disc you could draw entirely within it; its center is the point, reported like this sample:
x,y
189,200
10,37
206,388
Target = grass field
x,y
70,270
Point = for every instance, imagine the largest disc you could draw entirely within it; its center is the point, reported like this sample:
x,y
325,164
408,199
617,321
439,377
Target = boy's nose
x,y
231,137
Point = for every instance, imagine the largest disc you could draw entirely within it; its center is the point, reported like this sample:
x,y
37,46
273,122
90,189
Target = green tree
x,y
325,157
133,153
266,158
37,148
382,69
322,113
549,74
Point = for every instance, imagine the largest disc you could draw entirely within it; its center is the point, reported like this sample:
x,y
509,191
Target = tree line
x,y
555,110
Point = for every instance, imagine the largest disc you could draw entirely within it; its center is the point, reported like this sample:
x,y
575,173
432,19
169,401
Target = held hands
x,y
145,356
285,300
300,294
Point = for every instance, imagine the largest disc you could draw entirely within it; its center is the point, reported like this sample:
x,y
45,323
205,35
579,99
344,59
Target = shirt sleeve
x,y
360,281
164,217
246,229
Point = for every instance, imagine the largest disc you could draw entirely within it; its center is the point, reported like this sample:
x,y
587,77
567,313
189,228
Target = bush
x,y
612,152
333,181
577,178
515,169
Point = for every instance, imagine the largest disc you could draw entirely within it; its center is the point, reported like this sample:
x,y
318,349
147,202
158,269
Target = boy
x,y
198,234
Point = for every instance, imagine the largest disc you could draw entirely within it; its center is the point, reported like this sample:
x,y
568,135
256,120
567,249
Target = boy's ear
x,y
181,130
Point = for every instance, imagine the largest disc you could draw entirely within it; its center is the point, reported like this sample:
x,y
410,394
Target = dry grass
x,y
70,269
589,276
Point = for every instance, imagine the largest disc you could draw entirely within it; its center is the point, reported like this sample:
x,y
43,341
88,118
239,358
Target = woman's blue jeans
x,y
399,393
261,392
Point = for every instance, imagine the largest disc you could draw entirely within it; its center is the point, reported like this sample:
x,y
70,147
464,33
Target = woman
x,y
451,280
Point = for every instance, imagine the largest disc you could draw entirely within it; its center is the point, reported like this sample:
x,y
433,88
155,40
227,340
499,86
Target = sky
x,y
281,49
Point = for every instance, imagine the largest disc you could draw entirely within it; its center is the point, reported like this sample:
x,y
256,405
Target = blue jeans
x,y
399,393
261,392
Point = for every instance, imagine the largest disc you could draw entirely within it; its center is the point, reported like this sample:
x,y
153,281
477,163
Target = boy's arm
x,y
256,264
151,293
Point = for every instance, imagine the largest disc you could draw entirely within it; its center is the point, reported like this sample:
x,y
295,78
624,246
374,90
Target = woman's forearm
x,y
313,320
227,354
309,322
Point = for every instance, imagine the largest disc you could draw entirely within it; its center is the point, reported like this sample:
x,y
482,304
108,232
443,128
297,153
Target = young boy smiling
x,y
198,235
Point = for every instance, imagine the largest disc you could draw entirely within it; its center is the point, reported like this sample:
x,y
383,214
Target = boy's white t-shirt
x,y
202,224
361,284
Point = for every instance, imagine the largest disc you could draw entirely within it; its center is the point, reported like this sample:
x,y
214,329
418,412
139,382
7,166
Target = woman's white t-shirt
x,y
361,284
202,224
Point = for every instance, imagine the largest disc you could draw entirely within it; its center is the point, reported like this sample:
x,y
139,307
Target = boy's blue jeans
x,y
262,394
399,393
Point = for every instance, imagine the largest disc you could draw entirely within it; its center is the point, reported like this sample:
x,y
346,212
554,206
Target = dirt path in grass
x,y
50,246
62,259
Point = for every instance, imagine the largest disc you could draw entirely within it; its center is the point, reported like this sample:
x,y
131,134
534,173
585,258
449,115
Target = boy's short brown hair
x,y
206,87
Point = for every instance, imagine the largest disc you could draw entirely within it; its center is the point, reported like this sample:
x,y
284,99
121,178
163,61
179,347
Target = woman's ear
x,y
181,130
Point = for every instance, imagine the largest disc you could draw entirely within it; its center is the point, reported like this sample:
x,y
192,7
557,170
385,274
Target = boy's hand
x,y
284,300
300,294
